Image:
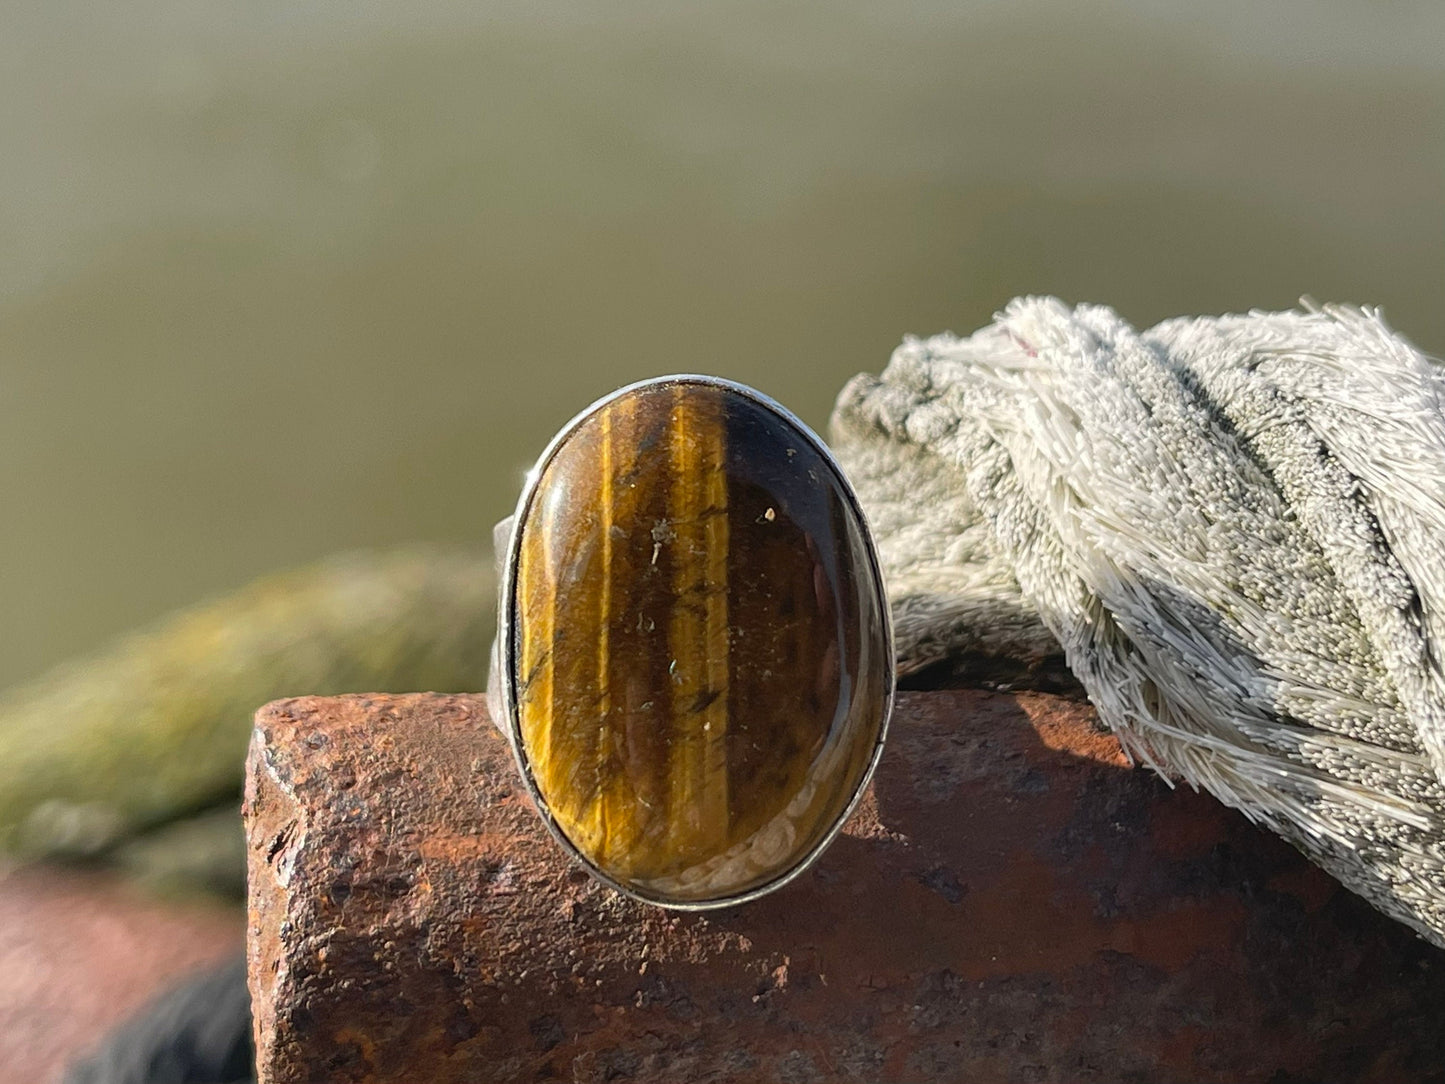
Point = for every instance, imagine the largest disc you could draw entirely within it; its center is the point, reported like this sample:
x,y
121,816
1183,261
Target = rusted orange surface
x,y
1010,902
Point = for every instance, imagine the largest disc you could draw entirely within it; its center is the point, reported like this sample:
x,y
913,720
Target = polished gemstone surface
x,y
702,670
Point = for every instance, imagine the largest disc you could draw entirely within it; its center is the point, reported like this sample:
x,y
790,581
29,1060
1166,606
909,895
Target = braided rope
x,y
1234,529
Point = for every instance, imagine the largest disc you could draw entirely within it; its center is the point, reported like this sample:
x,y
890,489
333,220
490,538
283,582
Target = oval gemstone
x,y
701,665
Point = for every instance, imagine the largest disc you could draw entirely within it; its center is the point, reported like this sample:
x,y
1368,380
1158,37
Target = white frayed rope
x,y
1233,527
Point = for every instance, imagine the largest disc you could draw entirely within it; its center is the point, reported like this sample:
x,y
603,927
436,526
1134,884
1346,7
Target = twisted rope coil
x,y
1234,529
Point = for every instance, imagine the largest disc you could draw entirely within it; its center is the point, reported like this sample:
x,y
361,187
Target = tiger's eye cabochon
x,y
701,667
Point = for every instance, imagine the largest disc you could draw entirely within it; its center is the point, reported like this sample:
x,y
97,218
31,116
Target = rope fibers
x,y
1232,527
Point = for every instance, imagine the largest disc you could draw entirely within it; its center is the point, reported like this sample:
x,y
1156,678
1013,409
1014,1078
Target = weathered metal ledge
x,y
1010,903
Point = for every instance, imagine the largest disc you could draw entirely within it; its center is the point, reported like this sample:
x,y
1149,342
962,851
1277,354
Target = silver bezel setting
x,y
506,633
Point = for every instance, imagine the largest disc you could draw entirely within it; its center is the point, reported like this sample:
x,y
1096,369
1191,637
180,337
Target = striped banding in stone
x,y
699,636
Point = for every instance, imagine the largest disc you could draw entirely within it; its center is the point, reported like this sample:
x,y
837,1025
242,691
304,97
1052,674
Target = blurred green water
x,y
281,280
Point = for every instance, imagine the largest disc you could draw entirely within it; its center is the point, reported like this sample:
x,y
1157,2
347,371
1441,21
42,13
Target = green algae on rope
x,y
154,727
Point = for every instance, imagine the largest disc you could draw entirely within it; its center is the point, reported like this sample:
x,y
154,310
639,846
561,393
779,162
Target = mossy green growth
x,y
155,726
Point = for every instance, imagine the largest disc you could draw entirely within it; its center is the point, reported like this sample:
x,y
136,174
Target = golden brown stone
x,y
701,667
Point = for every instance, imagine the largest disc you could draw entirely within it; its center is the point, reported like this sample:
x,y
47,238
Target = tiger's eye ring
x,y
694,661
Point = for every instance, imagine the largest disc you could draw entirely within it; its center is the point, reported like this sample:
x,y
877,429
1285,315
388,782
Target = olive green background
x,y
281,279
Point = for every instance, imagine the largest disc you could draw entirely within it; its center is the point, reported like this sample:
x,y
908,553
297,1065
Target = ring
x,y
694,656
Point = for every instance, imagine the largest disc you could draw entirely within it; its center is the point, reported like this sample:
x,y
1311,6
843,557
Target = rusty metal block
x,y
1011,903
